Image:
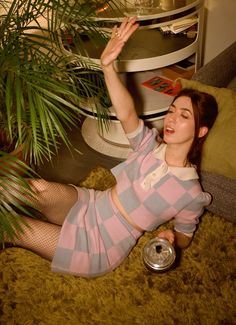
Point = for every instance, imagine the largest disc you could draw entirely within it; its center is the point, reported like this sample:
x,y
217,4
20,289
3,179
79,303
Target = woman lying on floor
x,y
89,233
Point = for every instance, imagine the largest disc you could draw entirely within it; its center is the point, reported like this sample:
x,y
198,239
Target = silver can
x,y
159,255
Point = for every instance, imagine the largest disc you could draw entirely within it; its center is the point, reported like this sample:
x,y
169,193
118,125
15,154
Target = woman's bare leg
x,y
39,236
54,200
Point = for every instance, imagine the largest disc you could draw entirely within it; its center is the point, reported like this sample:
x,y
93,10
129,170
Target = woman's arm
x,y
121,99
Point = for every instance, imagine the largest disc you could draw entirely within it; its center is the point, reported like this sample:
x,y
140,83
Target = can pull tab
x,y
158,249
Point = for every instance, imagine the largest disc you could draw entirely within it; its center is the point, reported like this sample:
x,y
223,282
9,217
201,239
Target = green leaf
x,y
42,87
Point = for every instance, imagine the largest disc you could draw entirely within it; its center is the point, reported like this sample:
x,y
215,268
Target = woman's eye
x,y
184,116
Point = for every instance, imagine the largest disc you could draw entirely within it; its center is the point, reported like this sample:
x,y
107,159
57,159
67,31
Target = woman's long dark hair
x,y
205,110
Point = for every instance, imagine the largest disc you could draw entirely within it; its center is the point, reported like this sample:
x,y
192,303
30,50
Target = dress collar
x,y
183,173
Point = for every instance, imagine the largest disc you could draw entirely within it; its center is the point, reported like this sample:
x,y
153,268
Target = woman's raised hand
x,y
119,36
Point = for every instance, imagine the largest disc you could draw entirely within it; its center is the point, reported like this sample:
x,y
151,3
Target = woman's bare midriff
x,y
119,206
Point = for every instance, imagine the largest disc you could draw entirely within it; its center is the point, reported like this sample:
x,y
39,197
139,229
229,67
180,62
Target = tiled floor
x,y
70,167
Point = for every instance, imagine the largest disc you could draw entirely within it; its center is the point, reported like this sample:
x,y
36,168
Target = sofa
x,y
218,77
199,289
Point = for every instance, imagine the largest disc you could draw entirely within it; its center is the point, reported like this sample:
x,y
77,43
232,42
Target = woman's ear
x,y
202,131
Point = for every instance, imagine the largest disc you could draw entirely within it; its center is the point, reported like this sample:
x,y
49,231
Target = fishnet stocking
x,y
39,237
54,200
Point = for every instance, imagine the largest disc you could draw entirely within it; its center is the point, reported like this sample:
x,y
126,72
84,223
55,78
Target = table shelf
x,y
146,52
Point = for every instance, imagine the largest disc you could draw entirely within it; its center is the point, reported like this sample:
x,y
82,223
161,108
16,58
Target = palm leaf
x,y
15,194
42,88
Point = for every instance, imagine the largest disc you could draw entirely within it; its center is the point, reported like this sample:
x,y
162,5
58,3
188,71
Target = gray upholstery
x,y
223,191
220,72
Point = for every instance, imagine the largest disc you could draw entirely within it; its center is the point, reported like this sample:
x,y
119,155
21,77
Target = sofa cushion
x,y
218,167
219,152
232,84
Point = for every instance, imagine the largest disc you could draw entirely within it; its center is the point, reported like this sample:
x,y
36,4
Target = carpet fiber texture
x,y
199,290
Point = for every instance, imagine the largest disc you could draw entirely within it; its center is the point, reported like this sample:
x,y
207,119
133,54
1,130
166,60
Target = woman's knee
x,y
49,193
39,185
42,192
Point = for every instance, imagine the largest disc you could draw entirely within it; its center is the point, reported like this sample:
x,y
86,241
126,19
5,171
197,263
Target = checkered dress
x,y
95,238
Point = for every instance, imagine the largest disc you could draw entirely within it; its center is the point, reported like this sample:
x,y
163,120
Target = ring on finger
x,y
117,34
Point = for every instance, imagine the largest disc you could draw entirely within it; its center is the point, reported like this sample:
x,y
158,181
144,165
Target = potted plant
x,y
41,89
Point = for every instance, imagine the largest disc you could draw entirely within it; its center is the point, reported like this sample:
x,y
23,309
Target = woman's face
x,y
179,124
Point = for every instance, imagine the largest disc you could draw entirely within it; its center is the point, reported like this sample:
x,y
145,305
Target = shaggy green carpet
x,y
200,290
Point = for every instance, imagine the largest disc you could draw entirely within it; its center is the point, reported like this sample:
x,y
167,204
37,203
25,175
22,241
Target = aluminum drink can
x,y
158,255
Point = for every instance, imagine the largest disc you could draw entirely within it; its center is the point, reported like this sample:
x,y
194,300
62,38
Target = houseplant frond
x,y
38,80
43,87
15,194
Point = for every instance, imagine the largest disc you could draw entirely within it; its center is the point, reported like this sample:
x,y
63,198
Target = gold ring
x,y
117,34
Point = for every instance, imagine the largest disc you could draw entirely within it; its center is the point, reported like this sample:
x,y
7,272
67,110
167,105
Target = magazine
x,y
162,85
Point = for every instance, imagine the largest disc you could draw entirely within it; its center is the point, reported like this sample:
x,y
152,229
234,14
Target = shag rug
x,y
199,290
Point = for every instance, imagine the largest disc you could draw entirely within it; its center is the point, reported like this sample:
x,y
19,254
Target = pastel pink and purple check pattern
x,y
95,238
151,192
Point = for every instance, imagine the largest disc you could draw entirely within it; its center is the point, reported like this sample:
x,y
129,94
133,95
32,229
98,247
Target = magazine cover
x,y
162,85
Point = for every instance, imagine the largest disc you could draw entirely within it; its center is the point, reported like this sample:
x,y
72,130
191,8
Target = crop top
x,y
152,192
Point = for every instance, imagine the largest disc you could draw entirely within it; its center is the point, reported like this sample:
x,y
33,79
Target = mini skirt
x,y
95,238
